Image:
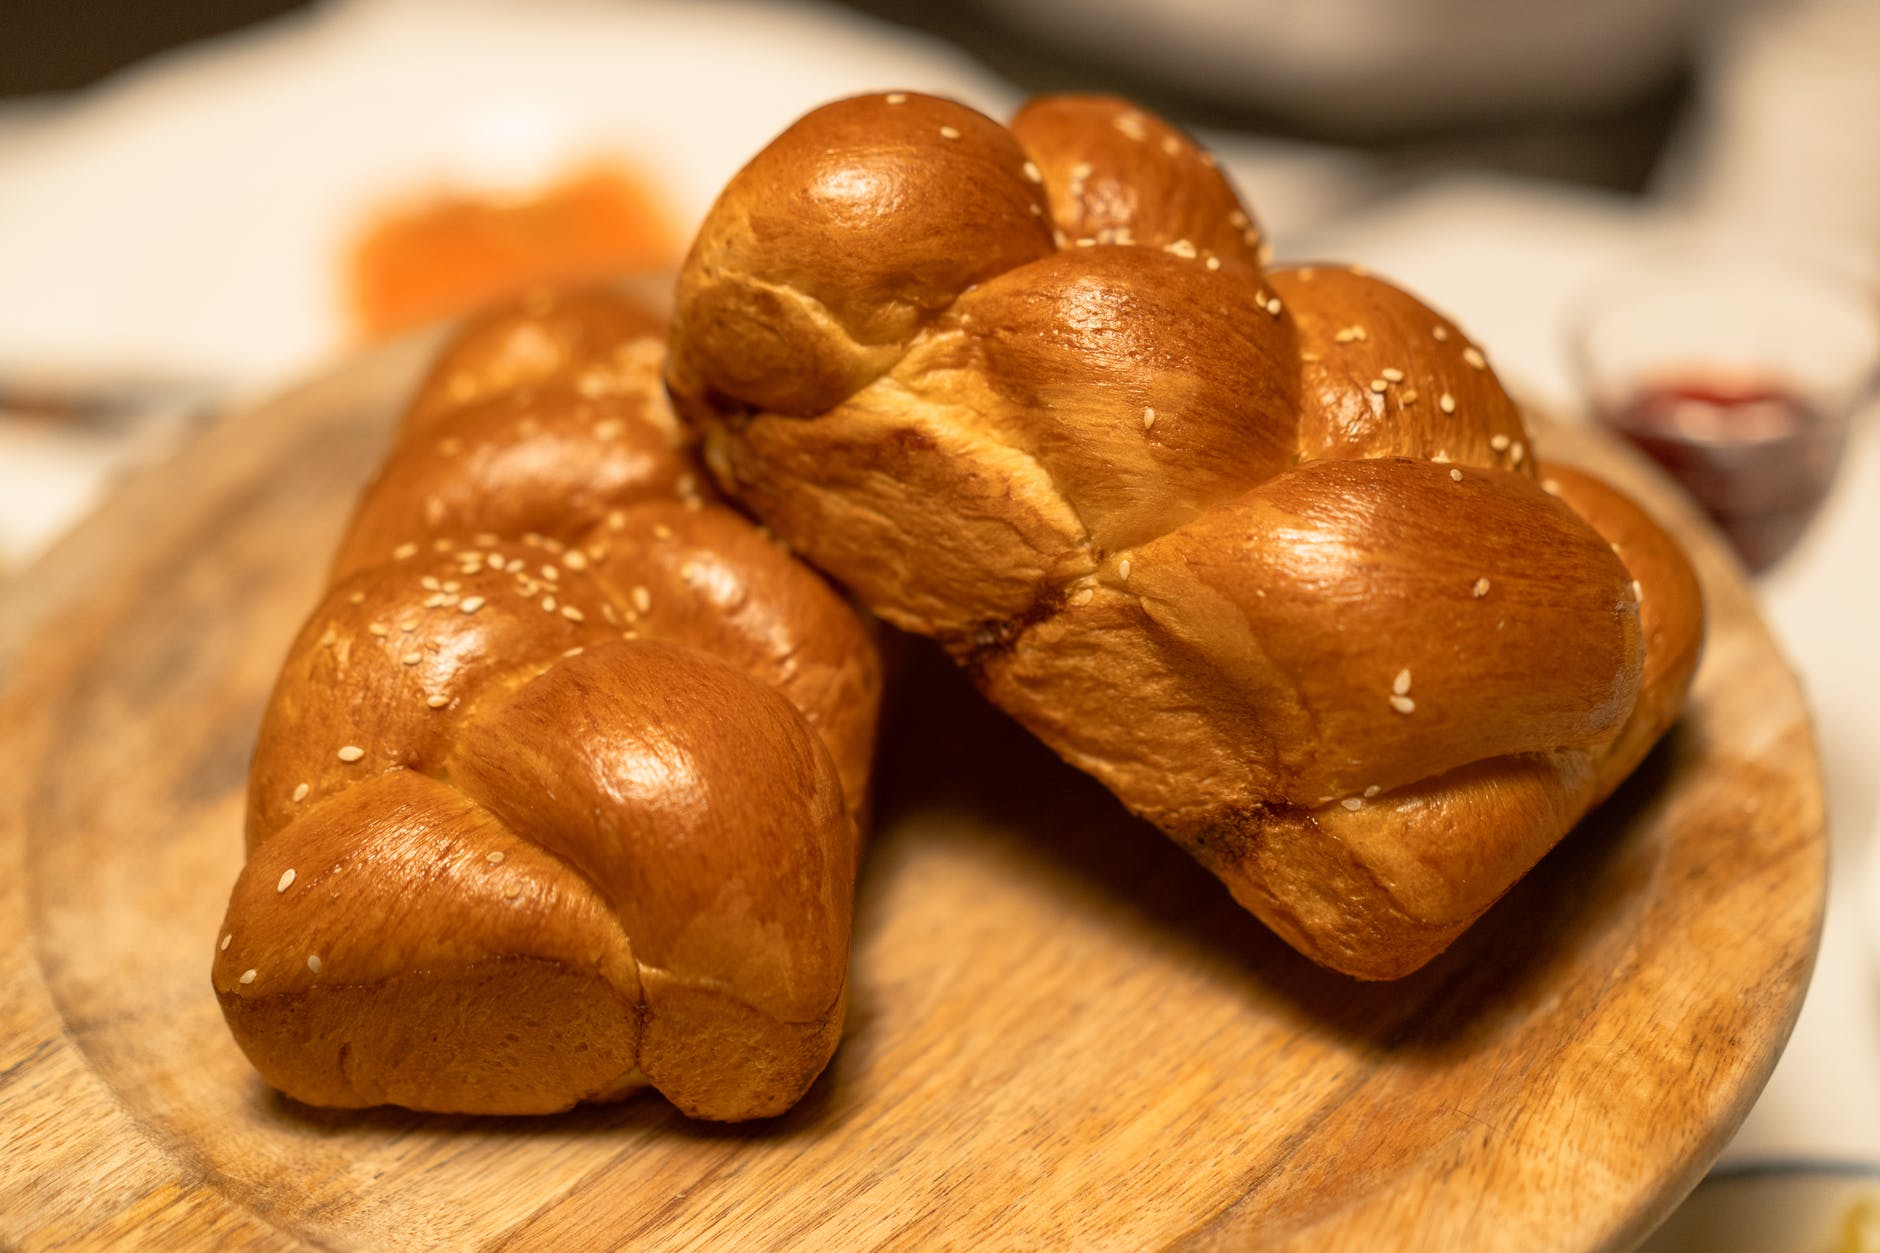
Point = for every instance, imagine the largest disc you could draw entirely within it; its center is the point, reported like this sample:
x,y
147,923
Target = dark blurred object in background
x,y
1611,137
1423,87
62,45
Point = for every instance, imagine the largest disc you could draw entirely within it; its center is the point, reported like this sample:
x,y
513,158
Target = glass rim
x,y
1605,290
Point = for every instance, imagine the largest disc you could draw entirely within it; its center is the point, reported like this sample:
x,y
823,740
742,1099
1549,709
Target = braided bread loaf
x,y
558,791
1268,552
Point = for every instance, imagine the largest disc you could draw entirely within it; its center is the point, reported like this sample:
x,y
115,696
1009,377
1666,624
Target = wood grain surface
x,y
1064,1034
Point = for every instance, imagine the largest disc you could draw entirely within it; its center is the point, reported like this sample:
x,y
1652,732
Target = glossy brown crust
x,y
1270,553
1116,174
558,791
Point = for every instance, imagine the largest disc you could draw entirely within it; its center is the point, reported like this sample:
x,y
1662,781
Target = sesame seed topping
x,y
572,614
1213,262
1516,453
227,940
494,859
896,97
574,559
642,599
1371,791
286,880
1171,145
248,976
1348,334
548,604
471,604
1401,684
1638,592
1352,803
300,793
1551,486
1409,397
1131,126
313,962
357,598
379,629
948,132
1083,596
1181,248
412,658
1237,219
1392,373
1474,358
1440,456
551,573
351,753
1481,588
403,551
1379,385
576,651
1456,475
1441,333
1498,442
1273,306
437,700
1403,704
1148,417
1032,172
1122,569
1446,403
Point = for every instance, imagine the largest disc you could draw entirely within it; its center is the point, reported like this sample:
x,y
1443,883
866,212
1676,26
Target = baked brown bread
x,y
558,792
1267,551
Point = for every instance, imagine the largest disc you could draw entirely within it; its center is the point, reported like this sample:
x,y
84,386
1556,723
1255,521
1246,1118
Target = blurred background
x,y
203,200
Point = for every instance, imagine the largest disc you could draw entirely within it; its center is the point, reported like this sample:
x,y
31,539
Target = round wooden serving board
x,y
1064,1034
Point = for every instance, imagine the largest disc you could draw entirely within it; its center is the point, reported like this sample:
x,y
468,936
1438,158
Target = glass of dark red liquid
x,y
1739,372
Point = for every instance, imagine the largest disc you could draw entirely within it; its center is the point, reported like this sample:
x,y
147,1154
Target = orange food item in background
x,y
458,251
